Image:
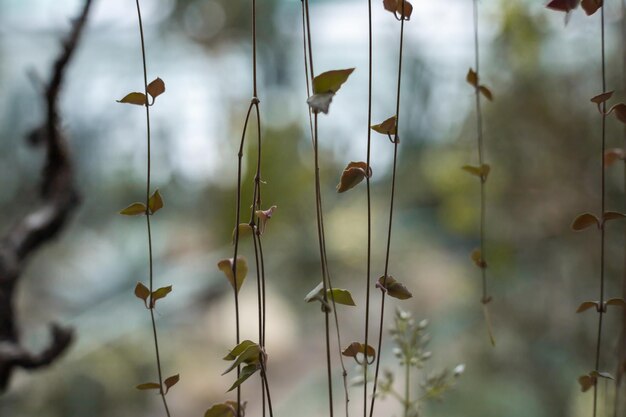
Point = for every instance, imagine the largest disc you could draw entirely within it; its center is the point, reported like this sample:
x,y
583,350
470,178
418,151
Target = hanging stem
x,y
150,260
396,142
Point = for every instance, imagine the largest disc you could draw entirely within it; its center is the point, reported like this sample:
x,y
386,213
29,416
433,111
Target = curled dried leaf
x,y
586,382
620,112
601,98
472,78
394,288
264,216
388,127
356,348
585,220
142,292
352,175
477,257
134,209
134,98
612,215
616,302
486,92
170,382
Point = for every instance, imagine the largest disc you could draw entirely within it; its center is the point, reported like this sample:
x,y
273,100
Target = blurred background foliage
x,y
542,137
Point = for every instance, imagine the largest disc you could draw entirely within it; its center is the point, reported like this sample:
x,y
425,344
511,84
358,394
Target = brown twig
x,y
59,199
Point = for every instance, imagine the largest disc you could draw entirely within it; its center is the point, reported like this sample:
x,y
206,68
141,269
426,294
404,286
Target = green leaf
x,y
134,98
246,372
394,288
238,350
134,209
320,102
148,385
226,266
352,175
142,292
248,356
481,171
586,306
585,220
170,382
160,293
340,296
156,88
220,410
388,127
331,81
155,202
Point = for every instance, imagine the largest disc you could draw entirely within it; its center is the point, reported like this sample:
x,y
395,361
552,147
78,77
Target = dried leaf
x,y
477,257
617,302
226,266
156,88
486,92
586,382
155,202
591,6
612,215
356,348
134,98
388,127
390,5
601,98
220,410
563,5
134,209
142,292
352,175
320,102
408,10
160,293
585,220
170,382
472,78
613,155
148,385
620,112
586,305
394,288
600,374
331,81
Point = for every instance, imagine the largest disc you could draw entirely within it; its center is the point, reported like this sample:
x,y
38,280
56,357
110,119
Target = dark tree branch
x,y
59,198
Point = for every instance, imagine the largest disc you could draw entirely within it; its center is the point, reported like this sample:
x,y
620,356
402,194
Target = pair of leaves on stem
x,y
586,305
619,109
472,79
154,89
591,379
150,298
481,171
325,86
586,220
155,203
590,6
353,175
241,269
245,353
396,7
226,409
365,351
168,383
338,295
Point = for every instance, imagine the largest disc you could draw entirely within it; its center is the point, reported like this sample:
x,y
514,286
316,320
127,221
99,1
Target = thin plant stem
x,y
407,385
602,229
369,203
148,175
396,142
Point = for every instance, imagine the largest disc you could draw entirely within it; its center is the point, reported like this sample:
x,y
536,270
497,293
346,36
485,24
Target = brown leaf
x,y
160,293
613,155
408,10
563,5
477,257
155,202
612,215
394,288
617,302
352,175
585,220
486,92
171,381
472,78
620,112
591,6
142,292
134,98
586,382
586,306
388,127
356,348
156,88
601,98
